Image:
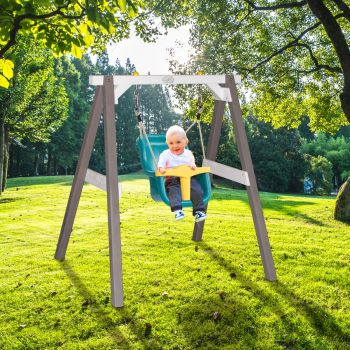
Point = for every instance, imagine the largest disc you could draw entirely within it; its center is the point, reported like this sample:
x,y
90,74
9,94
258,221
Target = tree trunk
x,y
341,47
49,161
55,165
11,170
342,205
2,151
36,163
18,161
42,164
6,158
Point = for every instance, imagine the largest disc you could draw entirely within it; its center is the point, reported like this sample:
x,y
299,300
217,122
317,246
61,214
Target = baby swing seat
x,y
156,179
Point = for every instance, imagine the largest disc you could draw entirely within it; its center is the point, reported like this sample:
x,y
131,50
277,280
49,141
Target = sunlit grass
x,y
179,294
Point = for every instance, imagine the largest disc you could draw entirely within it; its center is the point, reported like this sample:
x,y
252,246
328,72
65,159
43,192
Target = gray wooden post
x,y
212,149
252,190
79,176
112,193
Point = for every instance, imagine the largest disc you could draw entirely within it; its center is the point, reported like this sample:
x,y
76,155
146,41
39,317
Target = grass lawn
x,y
179,294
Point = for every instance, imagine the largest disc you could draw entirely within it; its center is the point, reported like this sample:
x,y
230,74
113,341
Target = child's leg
x,y
196,195
173,190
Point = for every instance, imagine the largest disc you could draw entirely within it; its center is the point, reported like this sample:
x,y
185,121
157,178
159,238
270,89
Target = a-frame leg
x,y
212,149
78,182
103,101
247,165
112,193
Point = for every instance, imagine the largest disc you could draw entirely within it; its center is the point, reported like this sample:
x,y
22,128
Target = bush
x,y
320,174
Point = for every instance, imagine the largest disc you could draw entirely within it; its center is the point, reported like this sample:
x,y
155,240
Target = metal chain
x,y
140,123
200,105
190,127
201,137
198,117
136,103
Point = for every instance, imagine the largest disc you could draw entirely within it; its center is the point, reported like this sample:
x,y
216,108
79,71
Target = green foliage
x,y
334,149
36,104
68,27
320,174
62,150
47,304
6,72
276,153
156,108
288,61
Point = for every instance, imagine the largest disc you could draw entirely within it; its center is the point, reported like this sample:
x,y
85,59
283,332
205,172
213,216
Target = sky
x,y
152,57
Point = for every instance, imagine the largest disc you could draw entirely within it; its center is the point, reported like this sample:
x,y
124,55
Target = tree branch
x,y
343,7
278,6
316,63
155,7
337,37
287,46
334,33
17,24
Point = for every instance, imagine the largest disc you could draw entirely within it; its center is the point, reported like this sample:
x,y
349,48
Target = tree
x,y
293,56
320,174
334,149
276,153
156,108
64,146
60,154
36,103
68,26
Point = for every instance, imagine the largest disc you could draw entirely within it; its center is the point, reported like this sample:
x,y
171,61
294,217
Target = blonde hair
x,y
176,129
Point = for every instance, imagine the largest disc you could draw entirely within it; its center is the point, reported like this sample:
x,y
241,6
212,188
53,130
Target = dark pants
x,y
173,190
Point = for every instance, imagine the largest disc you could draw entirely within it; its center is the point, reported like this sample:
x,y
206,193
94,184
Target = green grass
x,y
47,304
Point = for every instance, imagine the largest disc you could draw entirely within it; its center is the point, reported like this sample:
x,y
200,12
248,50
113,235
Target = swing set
x,y
108,91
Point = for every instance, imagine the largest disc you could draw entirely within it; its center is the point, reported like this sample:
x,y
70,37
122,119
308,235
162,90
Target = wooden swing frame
x,y
108,91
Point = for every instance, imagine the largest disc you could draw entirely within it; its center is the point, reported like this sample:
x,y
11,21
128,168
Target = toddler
x,y
176,155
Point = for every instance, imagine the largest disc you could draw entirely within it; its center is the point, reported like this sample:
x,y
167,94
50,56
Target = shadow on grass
x,y
274,202
39,180
309,219
61,180
320,320
292,208
104,318
9,200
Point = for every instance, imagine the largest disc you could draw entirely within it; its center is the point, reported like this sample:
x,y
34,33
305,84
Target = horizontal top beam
x,y
162,79
123,82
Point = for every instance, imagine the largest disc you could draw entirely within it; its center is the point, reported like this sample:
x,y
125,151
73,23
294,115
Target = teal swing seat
x,y
157,184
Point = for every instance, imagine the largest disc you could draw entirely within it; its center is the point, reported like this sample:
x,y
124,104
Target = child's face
x,y
177,143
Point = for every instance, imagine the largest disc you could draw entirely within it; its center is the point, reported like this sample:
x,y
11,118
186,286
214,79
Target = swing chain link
x,y
199,111
200,106
136,103
140,122
198,118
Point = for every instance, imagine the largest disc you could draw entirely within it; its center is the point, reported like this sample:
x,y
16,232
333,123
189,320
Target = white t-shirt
x,y
170,160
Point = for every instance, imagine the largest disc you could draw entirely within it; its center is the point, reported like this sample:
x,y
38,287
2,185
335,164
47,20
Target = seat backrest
x,y
158,145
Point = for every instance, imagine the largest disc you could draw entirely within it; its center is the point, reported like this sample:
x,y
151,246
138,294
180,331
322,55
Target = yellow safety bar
x,y
184,172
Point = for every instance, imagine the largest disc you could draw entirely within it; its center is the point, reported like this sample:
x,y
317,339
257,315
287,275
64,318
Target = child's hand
x,y
161,170
193,167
